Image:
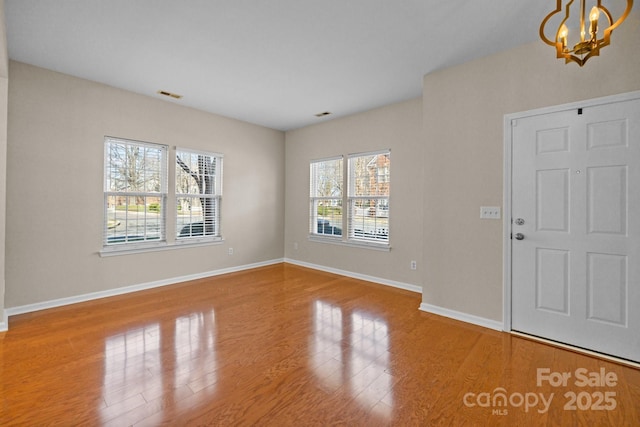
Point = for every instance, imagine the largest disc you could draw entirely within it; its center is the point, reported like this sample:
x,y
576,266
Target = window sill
x,y
126,250
352,243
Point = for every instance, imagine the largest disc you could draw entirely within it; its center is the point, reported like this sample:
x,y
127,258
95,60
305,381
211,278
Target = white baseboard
x,y
4,321
463,317
129,289
392,283
28,308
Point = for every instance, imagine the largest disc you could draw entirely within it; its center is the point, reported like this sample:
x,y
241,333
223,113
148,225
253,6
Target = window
x,y
135,192
326,197
367,198
198,194
139,194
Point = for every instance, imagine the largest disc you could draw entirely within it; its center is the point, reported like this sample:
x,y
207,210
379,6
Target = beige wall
x,y
56,129
397,127
464,108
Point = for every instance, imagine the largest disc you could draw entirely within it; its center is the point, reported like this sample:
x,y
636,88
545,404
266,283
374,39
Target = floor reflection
x,y
327,344
350,353
195,352
130,359
135,374
372,382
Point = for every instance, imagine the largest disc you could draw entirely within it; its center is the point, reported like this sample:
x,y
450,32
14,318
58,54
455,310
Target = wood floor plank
x,y
285,345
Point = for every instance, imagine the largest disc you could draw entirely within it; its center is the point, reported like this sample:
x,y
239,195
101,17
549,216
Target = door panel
x,y
607,203
607,288
552,194
576,184
552,280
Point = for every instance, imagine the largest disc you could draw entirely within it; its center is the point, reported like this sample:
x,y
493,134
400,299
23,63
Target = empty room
x,y
295,213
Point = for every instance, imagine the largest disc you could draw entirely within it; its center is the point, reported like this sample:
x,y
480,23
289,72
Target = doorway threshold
x,y
580,350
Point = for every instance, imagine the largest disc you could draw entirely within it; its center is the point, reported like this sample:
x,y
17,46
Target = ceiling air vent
x,y
172,95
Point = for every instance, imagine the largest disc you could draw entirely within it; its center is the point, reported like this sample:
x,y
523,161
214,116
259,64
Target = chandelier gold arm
x,y
608,30
544,22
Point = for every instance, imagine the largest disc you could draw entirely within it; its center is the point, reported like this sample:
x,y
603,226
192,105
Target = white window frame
x,y
380,238
111,242
213,193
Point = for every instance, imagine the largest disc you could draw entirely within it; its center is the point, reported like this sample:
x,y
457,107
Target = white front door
x,y
575,206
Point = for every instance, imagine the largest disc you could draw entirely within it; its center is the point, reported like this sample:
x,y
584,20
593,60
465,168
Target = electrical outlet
x,y
230,251
414,265
295,246
490,212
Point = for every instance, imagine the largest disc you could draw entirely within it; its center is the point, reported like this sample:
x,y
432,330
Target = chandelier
x,y
591,39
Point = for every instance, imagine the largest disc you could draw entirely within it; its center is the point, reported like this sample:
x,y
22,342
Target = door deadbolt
x,y
519,221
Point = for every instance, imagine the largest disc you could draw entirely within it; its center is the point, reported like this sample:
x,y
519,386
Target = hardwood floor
x,y
284,345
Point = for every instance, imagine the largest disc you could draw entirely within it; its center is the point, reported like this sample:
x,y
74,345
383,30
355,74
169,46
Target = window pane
x,y
326,178
135,191
369,219
198,189
196,220
133,219
133,168
328,217
196,173
369,175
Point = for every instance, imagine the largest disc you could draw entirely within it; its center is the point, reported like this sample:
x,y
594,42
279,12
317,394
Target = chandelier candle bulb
x,y
593,17
562,35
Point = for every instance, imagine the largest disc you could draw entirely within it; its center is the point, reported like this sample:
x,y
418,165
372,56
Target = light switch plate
x,y
490,212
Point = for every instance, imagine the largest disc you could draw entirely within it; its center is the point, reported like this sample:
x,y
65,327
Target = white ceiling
x,y
275,63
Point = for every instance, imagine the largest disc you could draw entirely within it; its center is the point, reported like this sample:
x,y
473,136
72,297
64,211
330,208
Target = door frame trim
x,y
510,120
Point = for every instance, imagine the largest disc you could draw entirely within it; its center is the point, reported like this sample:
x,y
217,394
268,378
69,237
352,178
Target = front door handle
x,y
519,236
